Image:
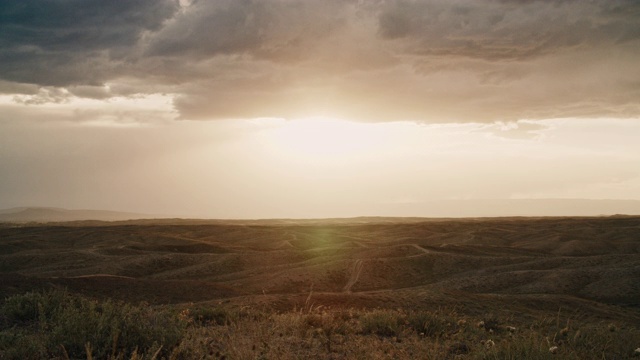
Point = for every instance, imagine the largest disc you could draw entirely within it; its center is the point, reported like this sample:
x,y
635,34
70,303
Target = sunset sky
x,y
317,108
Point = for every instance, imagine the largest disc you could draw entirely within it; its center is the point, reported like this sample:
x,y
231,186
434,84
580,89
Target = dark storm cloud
x,y
73,24
424,60
55,42
506,30
264,29
221,27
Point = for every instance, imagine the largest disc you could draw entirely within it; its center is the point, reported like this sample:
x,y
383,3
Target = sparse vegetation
x,y
57,324
459,289
60,325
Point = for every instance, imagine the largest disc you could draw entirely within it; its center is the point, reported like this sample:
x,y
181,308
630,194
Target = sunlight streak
x,y
327,139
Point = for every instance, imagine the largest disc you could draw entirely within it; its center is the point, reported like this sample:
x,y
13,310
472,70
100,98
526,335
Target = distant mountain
x,y
514,207
380,212
48,214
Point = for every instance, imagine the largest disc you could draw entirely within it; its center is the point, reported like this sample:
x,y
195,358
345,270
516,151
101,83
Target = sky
x,y
317,108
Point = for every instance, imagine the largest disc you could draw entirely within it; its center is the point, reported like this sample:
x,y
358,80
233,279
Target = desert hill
x,y
590,265
49,214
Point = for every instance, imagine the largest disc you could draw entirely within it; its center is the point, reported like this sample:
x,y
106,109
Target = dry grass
x,y
405,289
398,334
60,325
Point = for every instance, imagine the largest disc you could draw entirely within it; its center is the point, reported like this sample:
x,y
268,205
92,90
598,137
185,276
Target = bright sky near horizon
x,y
310,108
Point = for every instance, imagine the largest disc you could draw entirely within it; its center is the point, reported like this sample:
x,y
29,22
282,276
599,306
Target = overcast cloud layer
x,y
421,60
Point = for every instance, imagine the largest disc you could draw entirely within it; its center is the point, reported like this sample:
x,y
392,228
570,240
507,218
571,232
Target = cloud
x,y
49,42
8,87
421,60
44,95
506,30
267,29
518,130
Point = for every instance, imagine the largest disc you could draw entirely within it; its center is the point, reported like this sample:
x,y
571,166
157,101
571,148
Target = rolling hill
x,y
536,264
49,214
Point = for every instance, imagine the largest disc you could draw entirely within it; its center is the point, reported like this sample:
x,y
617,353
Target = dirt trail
x,y
95,276
285,244
420,248
355,275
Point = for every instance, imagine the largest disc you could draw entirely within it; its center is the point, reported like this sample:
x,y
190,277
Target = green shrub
x,y
211,316
58,320
16,344
31,308
380,322
531,347
426,323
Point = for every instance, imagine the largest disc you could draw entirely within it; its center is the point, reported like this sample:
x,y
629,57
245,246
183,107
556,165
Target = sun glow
x,y
326,139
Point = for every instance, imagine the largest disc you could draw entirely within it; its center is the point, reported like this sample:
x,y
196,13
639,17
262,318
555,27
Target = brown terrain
x,y
587,267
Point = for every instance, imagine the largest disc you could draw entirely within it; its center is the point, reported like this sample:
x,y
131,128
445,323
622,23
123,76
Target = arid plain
x,y
585,267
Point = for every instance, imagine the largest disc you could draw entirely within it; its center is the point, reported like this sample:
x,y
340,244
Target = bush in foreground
x,y
60,325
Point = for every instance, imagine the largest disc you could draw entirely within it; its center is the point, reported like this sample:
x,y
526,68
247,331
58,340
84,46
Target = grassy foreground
x,y
60,325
